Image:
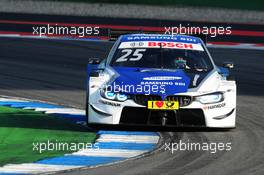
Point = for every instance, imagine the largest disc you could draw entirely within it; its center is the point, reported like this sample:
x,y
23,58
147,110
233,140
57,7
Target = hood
x,y
153,81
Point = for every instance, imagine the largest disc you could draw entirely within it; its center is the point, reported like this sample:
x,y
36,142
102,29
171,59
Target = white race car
x,y
153,79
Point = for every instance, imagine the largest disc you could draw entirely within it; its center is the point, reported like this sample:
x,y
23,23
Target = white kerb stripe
x,y
128,138
239,46
61,111
10,99
33,168
65,110
109,152
39,109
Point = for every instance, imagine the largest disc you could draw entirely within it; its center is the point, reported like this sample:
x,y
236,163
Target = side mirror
x,y
228,65
94,74
93,69
94,60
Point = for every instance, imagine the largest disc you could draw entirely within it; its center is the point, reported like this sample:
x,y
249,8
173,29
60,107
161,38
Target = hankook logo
x,y
109,103
214,106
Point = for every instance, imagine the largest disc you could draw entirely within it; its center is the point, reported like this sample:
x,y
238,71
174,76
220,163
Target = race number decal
x,y
130,55
124,57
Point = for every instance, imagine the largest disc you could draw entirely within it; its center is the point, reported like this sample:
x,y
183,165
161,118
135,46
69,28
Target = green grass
x,y
242,4
19,129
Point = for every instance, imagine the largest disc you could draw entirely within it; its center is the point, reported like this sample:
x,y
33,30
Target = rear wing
x,y
113,34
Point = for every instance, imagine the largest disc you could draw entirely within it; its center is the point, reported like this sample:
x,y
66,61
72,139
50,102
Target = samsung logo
x,y
162,78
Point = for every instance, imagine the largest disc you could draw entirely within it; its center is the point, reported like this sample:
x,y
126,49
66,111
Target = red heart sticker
x,y
159,103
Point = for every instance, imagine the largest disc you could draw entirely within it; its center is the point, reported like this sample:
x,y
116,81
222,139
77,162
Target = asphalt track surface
x,y
54,71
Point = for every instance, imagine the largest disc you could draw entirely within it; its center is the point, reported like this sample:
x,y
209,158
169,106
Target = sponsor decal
x,y
221,105
162,78
109,103
164,105
163,44
163,83
167,38
156,82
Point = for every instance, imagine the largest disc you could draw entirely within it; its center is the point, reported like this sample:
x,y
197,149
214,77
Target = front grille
x,y
143,99
183,100
180,118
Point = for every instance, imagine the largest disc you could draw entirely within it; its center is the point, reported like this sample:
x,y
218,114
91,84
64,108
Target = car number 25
x,y
130,55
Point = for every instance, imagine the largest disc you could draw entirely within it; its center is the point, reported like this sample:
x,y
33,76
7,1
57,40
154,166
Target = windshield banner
x,y
162,44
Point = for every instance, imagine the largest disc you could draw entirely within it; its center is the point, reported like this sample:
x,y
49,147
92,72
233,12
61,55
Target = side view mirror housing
x,y
94,74
228,65
94,60
93,69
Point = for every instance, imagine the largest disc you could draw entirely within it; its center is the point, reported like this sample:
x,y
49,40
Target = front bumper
x,y
179,118
195,114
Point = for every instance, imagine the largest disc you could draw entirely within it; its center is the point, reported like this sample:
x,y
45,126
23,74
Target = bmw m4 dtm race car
x,y
154,79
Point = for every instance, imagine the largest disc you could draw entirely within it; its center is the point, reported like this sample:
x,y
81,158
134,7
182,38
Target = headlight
x,y
114,96
121,97
211,98
109,95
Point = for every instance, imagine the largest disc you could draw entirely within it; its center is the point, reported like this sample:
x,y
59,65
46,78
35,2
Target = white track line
x,y
239,46
33,168
110,152
128,138
34,108
14,100
71,111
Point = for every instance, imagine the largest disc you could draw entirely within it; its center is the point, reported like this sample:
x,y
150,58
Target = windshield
x,y
162,58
